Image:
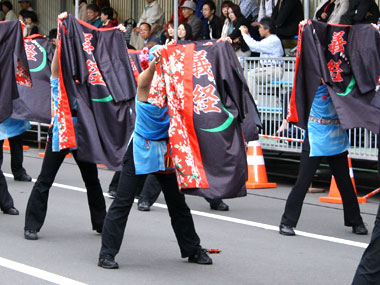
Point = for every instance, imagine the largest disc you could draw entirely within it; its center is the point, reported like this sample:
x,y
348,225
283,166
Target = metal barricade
x,y
270,83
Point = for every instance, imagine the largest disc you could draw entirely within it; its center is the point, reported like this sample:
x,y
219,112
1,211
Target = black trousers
x,y
6,201
117,216
17,155
340,170
368,271
38,200
152,189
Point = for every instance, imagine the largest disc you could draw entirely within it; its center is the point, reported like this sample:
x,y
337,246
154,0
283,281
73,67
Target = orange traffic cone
x,y
257,174
6,145
334,194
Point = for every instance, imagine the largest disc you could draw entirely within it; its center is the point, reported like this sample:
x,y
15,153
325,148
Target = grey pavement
x,y
150,254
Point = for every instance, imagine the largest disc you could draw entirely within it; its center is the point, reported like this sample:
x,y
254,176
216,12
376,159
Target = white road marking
x,y
235,220
41,274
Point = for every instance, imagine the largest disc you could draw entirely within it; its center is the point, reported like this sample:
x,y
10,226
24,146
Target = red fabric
x,y
181,18
112,23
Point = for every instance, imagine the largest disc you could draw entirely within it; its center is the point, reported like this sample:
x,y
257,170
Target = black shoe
x,y
107,262
31,234
359,229
201,257
220,207
287,230
24,177
98,230
12,211
143,206
112,193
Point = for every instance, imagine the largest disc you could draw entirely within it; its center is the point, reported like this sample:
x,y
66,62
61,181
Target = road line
x,y
234,220
41,274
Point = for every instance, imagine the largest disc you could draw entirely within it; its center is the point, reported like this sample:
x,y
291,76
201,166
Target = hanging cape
x,y
348,59
34,103
208,99
97,81
14,66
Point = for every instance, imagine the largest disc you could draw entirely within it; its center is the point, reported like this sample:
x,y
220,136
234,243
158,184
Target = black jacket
x,y
361,12
237,34
216,28
286,20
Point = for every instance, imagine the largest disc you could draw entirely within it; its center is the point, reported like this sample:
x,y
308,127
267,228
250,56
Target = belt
x,y
324,121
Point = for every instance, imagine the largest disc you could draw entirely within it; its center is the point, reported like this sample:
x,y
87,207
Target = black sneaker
x,y
143,206
359,229
287,230
31,234
107,262
220,207
11,211
201,257
23,177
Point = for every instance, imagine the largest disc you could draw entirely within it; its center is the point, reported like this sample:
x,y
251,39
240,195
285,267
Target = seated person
x,y
361,12
324,13
340,8
146,34
93,17
286,16
188,11
214,26
107,18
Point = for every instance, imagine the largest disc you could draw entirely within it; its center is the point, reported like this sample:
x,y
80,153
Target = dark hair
x,y
93,7
102,3
52,34
224,4
109,12
23,12
211,4
7,4
170,23
236,9
267,23
144,23
30,14
189,31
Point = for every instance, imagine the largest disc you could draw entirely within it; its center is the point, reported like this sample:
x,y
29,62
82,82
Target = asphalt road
x,y
323,252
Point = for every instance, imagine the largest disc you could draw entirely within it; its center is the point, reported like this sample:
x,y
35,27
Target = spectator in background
x,y
214,26
199,14
265,10
102,3
8,12
168,34
224,20
181,18
324,12
249,9
341,7
82,15
53,38
25,4
154,16
107,19
146,33
93,17
184,32
285,16
31,21
188,11
236,20
2,16
361,12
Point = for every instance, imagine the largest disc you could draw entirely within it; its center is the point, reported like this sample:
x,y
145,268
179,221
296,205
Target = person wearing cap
x,y
25,4
8,12
188,10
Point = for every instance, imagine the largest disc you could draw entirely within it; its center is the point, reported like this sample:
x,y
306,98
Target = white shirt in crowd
x,y
267,47
266,8
10,16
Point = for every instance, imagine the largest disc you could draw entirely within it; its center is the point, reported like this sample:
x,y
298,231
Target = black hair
x,y
93,7
267,23
211,4
149,26
189,31
30,14
108,11
52,34
7,4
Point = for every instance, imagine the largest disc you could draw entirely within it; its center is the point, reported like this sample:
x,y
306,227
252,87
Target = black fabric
x,y
358,61
368,271
308,166
286,19
117,216
17,155
237,34
11,49
38,201
103,127
114,181
6,201
34,103
361,12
